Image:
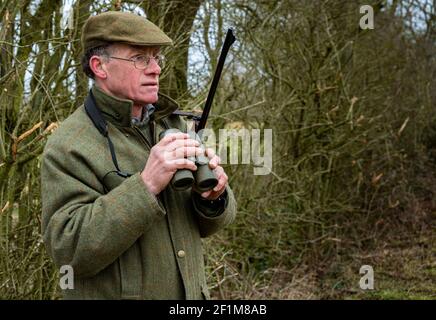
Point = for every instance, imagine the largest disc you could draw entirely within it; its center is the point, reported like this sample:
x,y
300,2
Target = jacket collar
x,y
119,111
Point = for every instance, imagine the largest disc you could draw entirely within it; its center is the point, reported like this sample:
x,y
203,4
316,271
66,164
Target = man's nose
x,y
153,67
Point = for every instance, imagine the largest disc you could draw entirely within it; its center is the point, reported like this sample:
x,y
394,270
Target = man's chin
x,y
150,98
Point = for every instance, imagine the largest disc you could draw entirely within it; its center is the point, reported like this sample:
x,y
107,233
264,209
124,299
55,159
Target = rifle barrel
x,y
230,38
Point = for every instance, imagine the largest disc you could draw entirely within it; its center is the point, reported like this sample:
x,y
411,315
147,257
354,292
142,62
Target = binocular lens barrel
x,y
182,180
204,178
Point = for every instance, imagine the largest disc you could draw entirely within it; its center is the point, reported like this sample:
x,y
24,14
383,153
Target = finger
x,y
183,152
212,195
183,164
206,194
214,162
172,137
210,153
219,171
222,181
220,186
181,143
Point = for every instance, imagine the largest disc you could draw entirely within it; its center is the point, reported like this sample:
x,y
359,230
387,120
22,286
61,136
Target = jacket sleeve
x,y
81,226
210,218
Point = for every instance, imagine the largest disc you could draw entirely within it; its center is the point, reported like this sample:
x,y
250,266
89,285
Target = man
x,y
109,210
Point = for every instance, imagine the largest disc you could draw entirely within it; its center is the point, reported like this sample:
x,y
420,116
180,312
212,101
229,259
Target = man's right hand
x,y
166,157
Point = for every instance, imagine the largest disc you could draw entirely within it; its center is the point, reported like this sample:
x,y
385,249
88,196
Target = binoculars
x,y
203,179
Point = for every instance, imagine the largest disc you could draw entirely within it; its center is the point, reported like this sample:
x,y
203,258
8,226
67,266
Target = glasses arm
x,y
112,57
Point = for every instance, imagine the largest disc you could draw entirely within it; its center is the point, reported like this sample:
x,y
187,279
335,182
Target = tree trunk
x,y
176,19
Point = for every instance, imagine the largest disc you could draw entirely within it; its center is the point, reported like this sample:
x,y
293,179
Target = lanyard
x,y
101,125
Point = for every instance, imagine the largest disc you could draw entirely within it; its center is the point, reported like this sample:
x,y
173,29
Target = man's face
x,y
125,81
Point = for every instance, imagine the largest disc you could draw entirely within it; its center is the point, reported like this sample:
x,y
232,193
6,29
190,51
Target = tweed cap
x,y
123,27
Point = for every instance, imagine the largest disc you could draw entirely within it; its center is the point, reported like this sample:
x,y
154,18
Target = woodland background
x,y
354,138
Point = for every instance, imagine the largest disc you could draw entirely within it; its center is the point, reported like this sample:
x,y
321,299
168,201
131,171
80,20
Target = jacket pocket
x,y
131,273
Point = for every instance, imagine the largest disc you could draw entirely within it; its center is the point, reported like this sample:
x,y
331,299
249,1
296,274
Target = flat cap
x,y
124,27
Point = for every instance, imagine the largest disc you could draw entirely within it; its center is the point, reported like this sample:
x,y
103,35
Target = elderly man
x,y
109,209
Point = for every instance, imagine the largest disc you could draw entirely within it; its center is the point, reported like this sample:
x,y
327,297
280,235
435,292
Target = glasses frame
x,y
159,59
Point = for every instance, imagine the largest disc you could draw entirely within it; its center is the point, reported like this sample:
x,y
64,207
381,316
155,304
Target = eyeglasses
x,y
142,62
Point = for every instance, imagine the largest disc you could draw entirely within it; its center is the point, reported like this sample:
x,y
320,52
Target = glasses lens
x,y
142,62
160,60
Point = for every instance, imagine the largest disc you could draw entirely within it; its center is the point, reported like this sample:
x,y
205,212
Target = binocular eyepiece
x,y
203,179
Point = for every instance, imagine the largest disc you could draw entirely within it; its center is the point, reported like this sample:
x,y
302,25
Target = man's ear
x,y
97,66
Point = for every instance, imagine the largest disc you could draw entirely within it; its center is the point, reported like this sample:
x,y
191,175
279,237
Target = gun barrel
x,y
230,38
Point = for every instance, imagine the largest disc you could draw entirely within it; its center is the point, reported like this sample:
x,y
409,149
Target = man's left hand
x,y
214,164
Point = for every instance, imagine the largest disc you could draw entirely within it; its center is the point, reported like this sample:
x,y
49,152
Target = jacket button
x,y
181,253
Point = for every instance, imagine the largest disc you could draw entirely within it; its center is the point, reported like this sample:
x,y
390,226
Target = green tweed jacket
x,y
122,241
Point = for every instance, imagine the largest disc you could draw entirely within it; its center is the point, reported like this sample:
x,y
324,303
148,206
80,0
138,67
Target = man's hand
x,y
166,157
220,174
